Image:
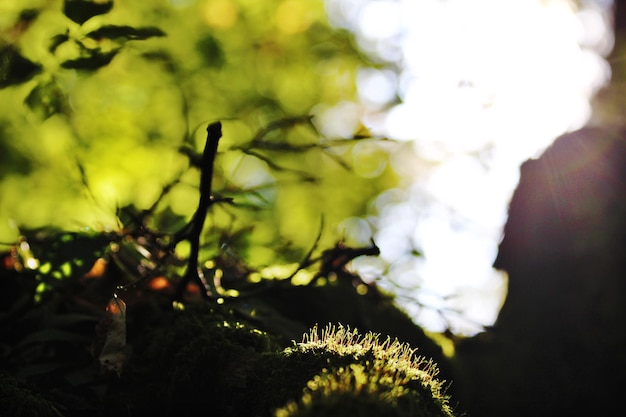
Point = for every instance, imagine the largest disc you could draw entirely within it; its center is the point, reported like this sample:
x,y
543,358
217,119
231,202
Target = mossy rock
x,y
201,358
360,375
207,360
233,357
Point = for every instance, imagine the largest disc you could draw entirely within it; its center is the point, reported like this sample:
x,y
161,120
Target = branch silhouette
x,y
193,229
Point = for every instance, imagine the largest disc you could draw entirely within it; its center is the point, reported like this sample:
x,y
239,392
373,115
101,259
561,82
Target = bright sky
x,y
484,85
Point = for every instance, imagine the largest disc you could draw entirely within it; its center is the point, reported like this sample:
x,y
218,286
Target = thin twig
x,y
193,229
307,260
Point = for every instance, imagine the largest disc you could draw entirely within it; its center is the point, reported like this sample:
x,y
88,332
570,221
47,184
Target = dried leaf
x,y
109,347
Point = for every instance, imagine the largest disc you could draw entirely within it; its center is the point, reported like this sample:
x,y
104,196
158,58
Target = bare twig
x,y
193,229
307,260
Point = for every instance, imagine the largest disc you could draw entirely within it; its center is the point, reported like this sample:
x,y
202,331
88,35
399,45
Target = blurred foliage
x,y
102,105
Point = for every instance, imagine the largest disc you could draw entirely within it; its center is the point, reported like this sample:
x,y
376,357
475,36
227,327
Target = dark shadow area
x,y
557,348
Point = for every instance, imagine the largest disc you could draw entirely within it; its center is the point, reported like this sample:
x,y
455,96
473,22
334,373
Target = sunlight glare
x,y
380,19
484,85
376,87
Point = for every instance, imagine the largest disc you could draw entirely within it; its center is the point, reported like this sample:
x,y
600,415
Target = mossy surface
x,y
199,358
207,359
234,358
362,375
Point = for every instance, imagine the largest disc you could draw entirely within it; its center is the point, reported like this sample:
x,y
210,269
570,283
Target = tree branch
x,y
193,229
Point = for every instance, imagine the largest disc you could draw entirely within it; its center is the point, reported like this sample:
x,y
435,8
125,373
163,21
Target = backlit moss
x,y
364,376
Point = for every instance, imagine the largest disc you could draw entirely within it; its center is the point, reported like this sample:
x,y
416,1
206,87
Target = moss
x,y
202,358
360,375
355,390
238,358
292,311
207,359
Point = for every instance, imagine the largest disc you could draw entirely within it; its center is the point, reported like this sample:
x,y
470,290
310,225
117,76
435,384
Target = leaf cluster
x,y
102,98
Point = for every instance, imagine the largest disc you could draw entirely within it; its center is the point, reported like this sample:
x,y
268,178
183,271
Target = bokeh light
x,y
476,88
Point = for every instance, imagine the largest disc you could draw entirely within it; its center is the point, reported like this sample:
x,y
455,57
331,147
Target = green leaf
x,y
164,59
125,32
13,160
28,15
66,254
168,220
57,40
211,51
14,68
92,62
47,99
82,10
